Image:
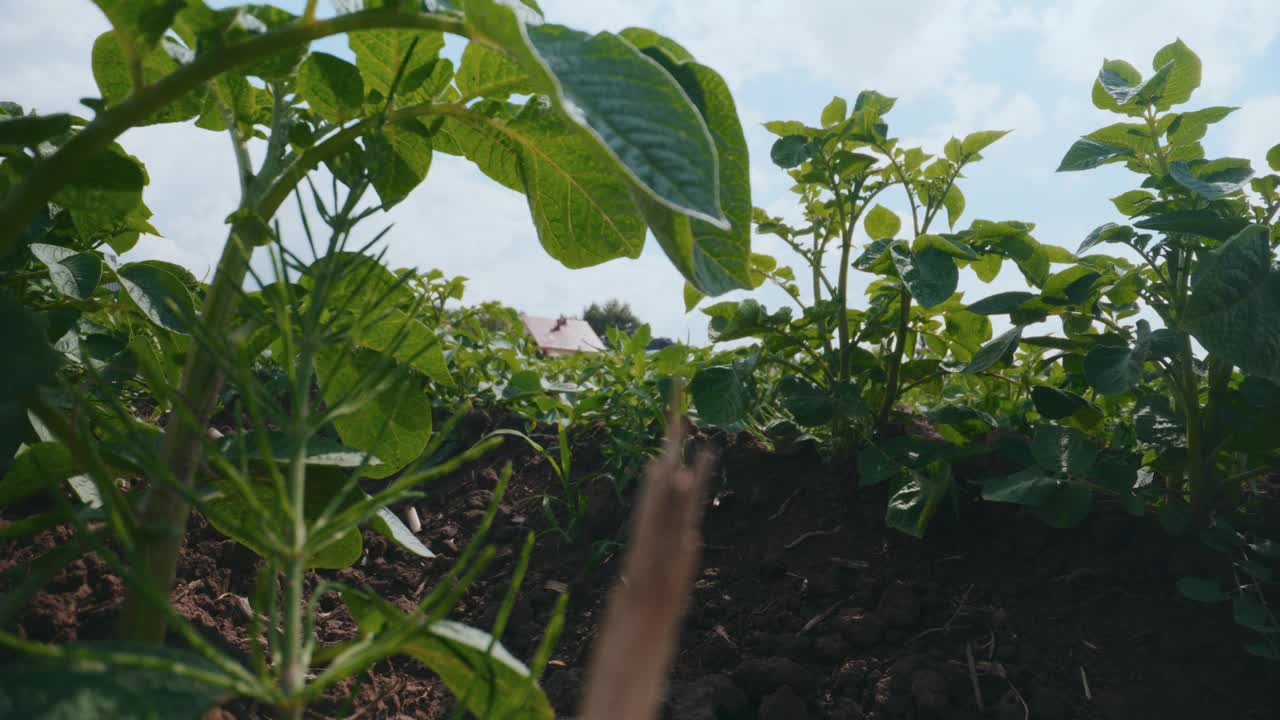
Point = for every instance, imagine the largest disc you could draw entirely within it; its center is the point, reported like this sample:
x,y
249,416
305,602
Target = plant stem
x,y
1200,492
895,360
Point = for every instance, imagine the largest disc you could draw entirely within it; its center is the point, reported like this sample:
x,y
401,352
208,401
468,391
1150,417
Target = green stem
x,y
1200,491
895,360
60,168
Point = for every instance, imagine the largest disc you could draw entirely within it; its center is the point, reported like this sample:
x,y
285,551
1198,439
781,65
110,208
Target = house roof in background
x,y
563,335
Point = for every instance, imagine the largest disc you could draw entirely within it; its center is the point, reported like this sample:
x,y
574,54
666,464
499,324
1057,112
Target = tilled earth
x,y
806,607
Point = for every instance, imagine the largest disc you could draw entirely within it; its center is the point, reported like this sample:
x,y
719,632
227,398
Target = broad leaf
x,y
73,274
1195,222
1030,486
394,424
103,195
30,130
1211,180
39,688
486,73
1057,404
995,351
158,294
974,143
835,112
1001,303
809,404
39,466
789,151
398,159
720,396
386,524
1063,450
112,72
1113,369
332,87
1184,76
409,341
931,276
1088,154
914,504
645,38
1234,308
1106,233
380,53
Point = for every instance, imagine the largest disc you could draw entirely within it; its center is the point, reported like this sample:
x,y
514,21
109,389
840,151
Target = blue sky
x,y
955,65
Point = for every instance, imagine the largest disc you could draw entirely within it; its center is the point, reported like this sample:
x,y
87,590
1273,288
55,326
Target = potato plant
x,y
608,136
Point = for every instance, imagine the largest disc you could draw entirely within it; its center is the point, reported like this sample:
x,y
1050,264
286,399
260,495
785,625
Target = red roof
x,y
562,336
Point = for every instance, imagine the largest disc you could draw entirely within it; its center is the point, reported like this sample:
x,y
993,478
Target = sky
x,y
956,66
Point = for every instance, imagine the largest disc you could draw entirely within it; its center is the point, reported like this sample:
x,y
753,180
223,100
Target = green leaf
x,y
1129,94
995,351
914,504
523,383
1113,369
1212,180
332,87
1155,422
931,276
386,524
31,130
29,361
1001,303
1106,233
39,466
103,194
1063,450
410,342
140,23
1088,154
379,54
485,678
953,201
398,158
394,424
72,273
789,151
720,396
875,258
1067,505
114,78
987,266
636,111
1195,222
1201,590
974,143
835,112
809,404
1273,157
645,38
946,244
875,466
1184,77
63,688
1030,486
1057,404
158,294
692,296
1234,307
881,223
486,73
1190,127
1132,202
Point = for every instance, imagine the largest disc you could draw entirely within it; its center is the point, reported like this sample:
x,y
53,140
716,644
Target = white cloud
x,y
1254,129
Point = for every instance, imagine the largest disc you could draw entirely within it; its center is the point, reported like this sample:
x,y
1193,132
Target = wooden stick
x,y
627,676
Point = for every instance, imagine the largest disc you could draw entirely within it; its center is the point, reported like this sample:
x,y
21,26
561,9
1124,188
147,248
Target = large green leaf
x,y
236,519
931,276
332,87
993,352
486,72
1063,450
1184,77
409,341
643,120
581,209
1128,92
1234,308
1273,157
1057,404
1113,369
112,73
1190,127
398,159
914,504
975,142
380,53
1214,179
102,195
1155,422
1030,486
1106,233
645,38
32,130
1001,303
29,361
394,424
72,273
386,524
140,23
720,396
715,260
39,688
1088,154
809,404
1196,222
158,294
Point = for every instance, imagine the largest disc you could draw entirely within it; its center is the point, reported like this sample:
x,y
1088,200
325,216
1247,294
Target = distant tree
x,y
612,314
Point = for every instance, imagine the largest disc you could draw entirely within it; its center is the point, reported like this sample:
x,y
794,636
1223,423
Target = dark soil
x,y
807,606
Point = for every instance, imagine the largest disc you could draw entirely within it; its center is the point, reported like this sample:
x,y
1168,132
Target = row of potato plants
x,y
1148,377
330,369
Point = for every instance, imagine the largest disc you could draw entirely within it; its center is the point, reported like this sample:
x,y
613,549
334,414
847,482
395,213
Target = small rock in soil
x,y
899,605
759,676
929,688
783,704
